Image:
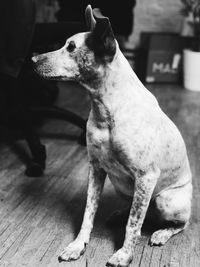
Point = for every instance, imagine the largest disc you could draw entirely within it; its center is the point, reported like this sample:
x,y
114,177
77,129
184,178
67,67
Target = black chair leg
x,y
36,166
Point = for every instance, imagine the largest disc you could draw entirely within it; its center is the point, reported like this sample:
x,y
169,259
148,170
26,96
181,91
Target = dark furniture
x,y
47,37
26,101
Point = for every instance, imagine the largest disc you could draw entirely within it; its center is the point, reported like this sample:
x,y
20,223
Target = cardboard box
x,y
161,57
163,66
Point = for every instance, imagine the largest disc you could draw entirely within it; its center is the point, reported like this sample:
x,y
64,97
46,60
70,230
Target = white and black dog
x,y
129,138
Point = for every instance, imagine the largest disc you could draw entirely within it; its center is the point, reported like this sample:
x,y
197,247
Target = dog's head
x,y
84,55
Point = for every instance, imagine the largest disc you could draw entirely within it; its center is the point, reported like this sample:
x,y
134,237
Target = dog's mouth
x,y
45,70
50,77
53,78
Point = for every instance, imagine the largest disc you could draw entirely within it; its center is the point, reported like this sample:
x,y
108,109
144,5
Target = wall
x,y
150,15
155,15
46,10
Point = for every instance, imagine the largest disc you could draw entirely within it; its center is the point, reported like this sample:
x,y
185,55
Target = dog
x,y
129,138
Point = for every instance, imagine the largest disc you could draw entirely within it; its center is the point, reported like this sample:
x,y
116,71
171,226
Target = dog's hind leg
x,y
174,208
144,187
95,186
160,237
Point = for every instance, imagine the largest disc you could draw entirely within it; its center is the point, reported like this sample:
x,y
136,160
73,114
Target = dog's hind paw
x,y
120,259
73,251
159,237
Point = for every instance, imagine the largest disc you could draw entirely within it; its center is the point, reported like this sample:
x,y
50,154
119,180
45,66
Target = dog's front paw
x,y
73,251
120,259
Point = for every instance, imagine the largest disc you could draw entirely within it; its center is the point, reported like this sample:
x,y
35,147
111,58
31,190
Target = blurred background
x,y
43,127
157,15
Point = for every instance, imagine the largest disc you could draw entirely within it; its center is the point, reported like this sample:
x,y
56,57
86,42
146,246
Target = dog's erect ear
x,y
103,34
89,18
103,40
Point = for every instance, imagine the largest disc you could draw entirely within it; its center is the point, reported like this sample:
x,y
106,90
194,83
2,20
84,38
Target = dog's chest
x,y
101,147
99,143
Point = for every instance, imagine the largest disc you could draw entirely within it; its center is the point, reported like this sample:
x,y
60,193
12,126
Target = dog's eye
x,y
71,46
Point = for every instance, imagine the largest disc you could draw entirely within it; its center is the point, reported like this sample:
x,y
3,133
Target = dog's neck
x,y
119,86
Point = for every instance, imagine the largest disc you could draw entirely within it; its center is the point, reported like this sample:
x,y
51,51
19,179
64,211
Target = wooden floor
x,y
40,216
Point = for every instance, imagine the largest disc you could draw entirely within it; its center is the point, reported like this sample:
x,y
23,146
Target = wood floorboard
x,y
40,216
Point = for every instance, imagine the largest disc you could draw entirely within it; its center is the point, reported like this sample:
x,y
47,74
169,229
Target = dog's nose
x,y
34,59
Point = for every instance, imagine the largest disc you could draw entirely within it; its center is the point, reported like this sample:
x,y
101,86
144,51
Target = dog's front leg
x,y
144,187
95,186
